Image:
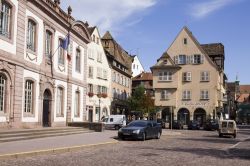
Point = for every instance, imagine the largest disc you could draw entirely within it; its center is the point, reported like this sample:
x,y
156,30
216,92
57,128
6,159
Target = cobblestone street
x,y
185,148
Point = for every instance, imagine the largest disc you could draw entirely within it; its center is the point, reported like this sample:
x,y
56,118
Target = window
x,y
60,52
104,89
31,35
165,76
99,72
48,44
78,61
77,104
185,41
114,93
186,95
93,38
90,88
117,78
197,59
105,74
133,66
114,77
204,76
5,19
59,107
187,76
165,94
99,57
97,40
91,72
204,95
2,92
28,96
182,59
99,89
90,54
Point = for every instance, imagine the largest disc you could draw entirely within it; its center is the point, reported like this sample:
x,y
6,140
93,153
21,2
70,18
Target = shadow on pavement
x,y
225,140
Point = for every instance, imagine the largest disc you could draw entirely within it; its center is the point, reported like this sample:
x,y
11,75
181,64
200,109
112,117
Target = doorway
x,y
46,108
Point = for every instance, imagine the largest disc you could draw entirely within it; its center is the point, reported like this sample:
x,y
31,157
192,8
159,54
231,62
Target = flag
x,y
65,45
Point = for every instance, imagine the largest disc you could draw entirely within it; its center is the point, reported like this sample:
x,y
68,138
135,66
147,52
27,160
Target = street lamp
x,y
228,103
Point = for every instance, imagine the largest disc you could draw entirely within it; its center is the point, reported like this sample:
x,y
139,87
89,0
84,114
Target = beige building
x,y
120,63
40,85
189,80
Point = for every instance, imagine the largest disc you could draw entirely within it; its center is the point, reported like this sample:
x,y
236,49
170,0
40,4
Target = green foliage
x,y
140,101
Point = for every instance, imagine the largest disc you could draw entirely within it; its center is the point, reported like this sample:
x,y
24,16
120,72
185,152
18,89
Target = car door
x,y
149,130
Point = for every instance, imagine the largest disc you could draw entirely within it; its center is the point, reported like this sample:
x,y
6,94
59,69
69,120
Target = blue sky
x,y
147,27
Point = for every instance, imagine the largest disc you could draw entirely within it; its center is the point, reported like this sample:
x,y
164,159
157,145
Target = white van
x,y
114,121
227,127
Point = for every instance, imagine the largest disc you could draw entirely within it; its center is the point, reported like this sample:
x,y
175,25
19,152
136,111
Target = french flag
x,y
65,45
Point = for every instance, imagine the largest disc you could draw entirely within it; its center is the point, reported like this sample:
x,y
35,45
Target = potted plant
x,y
104,95
90,94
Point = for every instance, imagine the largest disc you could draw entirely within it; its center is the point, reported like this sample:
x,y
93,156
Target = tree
x,y
141,101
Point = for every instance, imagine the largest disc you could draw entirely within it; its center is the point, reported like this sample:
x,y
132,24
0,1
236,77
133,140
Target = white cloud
x,y
203,9
108,14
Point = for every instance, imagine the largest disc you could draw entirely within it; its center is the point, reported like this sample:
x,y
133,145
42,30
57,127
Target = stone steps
x,y
25,134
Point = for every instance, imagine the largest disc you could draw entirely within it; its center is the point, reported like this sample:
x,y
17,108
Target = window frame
x,y
90,72
10,38
33,97
205,76
78,63
60,112
204,94
165,94
186,95
61,58
51,44
165,76
182,59
187,76
77,103
35,35
3,91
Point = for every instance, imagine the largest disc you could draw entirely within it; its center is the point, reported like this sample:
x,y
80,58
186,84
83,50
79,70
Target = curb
x,y
51,151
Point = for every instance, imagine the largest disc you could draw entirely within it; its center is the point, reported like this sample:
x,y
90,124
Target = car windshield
x,y
230,125
138,124
224,124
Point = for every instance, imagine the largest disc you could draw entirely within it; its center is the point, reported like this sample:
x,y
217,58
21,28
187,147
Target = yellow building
x,y
189,80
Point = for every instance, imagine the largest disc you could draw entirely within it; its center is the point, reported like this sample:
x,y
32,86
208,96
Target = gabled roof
x,y
213,49
107,36
144,76
91,30
197,44
165,62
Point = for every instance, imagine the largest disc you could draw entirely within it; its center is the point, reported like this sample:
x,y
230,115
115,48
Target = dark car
x,y
211,125
140,129
162,123
176,125
194,125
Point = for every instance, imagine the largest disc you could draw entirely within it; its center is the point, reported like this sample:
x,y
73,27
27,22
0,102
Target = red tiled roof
x,y
245,89
143,76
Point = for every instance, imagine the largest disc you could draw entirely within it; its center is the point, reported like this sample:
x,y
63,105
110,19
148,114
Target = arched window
x,y
31,35
2,93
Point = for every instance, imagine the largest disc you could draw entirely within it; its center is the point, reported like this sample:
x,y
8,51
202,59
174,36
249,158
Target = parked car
x,y
211,125
194,125
114,121
140,129
176,125
227,127
162,123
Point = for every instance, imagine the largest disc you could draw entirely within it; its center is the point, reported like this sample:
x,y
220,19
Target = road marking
x,y
55,150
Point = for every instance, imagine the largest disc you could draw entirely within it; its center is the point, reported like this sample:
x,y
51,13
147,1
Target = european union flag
x,y
65,42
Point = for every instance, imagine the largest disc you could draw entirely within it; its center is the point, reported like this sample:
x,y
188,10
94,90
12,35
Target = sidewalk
x,y
57,144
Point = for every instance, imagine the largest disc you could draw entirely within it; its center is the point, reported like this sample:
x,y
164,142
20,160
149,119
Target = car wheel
x,y
220,135
158,135
234,135
143,136
117,127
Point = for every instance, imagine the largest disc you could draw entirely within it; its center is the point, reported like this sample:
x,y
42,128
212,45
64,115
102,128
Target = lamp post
x,y
228,103
99,109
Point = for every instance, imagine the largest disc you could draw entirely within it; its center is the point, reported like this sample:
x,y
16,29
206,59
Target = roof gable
x,y
192,44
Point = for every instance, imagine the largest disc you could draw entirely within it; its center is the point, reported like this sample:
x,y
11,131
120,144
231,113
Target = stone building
x,y
188,80
144,79
40,85
121,74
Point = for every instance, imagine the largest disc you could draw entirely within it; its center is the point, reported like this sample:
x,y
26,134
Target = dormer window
x,y
185,41
165,62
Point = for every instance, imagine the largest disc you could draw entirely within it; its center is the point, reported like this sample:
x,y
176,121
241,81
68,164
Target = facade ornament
x,y
69,10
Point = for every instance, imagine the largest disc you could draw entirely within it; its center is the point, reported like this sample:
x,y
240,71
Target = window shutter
x,y
188,59
202,58
191,59
176,59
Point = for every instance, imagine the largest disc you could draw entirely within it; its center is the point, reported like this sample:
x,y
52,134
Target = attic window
x,y
185,41
165,62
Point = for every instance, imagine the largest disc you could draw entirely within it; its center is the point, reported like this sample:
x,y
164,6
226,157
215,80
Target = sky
x,y
148,27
